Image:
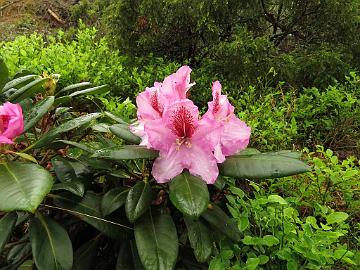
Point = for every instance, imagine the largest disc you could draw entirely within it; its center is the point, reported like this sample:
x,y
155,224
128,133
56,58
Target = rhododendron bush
x,y
81,190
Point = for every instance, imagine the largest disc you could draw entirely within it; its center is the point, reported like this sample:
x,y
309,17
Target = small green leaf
x,y
37,112
113,200
123,132
270,240
200,240
189,194
138,200
277,199
25,156
126,152
336,217
23,186
65,127
156,241
262,166
243,222
217,218
252,263
263,259
51,245
7,224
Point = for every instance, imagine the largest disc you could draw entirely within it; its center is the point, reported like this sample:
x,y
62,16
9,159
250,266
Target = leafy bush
x,y
83,59
80,197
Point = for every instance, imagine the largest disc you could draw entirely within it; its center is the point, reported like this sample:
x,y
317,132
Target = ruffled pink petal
x,y
149,103
235,137
168,165
16,121
138,129
202,163
176,85
208,132
5,140
160,136
218,154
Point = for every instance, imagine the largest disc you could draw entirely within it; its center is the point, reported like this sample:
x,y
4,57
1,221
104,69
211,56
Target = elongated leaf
x,y
75,187
189,194
4,73
113,200
217,218
77,145
156,241
63,170
15,83
37,112
85,256
73,87
51,245
65,127
262,166
88,210
91,91
126,152
123,132
7,224
200,240
23,186
128,258
28,90
115,118
138,200
62,100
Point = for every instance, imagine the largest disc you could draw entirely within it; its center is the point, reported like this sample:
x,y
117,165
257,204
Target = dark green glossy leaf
x,y
91,91
62,100
200,240
88,210
156,241
128,258
7,224
73,87
15,83
65,127
123,132
189,194
75,187
218,218
28,90
4,74
23,186
138,200
51,245
126,152
115,118
63,169
85,256
262,166
113,200
77,145
37,112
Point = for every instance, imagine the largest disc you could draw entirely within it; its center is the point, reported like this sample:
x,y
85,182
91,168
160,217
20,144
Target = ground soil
x,y
26,16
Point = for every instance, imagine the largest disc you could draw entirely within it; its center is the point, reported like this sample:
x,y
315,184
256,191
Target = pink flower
x,y
236,134
152,102
184,142
11,122
177,85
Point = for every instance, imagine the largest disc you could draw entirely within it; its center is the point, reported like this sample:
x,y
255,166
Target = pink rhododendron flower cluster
x,y
11,122
170,122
